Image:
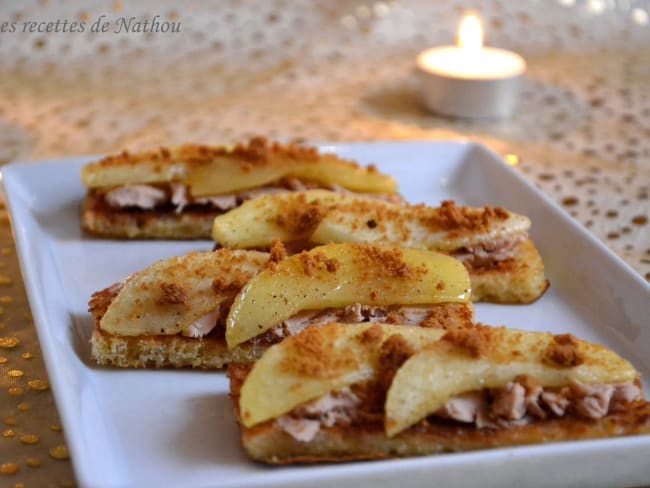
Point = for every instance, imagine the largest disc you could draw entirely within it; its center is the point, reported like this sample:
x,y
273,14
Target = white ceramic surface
x,y
176,428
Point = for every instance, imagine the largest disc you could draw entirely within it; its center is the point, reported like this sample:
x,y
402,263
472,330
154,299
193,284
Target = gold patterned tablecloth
x,y
301,70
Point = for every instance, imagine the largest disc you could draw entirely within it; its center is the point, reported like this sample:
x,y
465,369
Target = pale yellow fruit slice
x,y
174,293
485,357
286,216
317,361
446,228
219,170
222,176
337,275
137,168
322,217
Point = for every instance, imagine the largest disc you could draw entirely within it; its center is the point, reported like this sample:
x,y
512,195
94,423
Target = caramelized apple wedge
x,y
316,362
446,228
337,275
321,217
218,170
489,357
138,168
221,176
172,294
286,216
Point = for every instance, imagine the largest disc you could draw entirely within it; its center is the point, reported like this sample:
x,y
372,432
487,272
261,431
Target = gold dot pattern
x,y
38,385
9,468
26,406
580,134
59,452
33,462
29,439
9,342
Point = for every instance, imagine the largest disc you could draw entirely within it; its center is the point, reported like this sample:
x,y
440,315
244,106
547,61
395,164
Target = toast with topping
x,y
338,393
207,309
493,243
176,193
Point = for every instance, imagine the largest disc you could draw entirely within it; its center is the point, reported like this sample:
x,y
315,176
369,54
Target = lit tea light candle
x,y
470,80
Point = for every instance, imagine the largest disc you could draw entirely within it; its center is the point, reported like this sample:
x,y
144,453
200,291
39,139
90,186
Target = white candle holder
x,y
470,80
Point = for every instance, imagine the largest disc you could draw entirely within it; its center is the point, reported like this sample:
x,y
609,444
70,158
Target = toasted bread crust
x,y
167,351
100,220
211,351
268,443
519,279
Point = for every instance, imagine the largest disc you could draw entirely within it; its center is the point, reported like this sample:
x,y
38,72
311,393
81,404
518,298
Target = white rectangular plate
x,y
176,428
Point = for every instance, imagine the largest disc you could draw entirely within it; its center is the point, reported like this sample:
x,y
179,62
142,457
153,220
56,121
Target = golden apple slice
x,y
317,361
487,357
446,228
174,293
218,170
286,216
337,275
223,175
324,217
126,168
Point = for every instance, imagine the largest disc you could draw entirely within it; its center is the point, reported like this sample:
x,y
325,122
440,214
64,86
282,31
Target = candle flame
x,y
470,33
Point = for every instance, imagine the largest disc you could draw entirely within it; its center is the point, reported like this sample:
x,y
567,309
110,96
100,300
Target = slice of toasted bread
x,y
210,352
268,443
519,279
99,219
152,319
